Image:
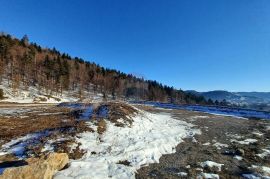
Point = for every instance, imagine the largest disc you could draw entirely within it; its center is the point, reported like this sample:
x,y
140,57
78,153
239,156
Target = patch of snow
x,y
199,117
53,113
182,174
237,157
194,140
13,111
211,164
220,145
32,94
259,134
264,171
250,176
207,143
210,176
149,137
49,144
246,141
265,153
17,146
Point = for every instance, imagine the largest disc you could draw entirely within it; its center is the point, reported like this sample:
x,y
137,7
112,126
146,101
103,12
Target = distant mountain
x,y
254,100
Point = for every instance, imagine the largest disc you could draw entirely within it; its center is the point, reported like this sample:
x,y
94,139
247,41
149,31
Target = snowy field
x,y
149,137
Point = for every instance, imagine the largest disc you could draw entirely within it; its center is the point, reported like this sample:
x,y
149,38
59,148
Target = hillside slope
x,y
26,65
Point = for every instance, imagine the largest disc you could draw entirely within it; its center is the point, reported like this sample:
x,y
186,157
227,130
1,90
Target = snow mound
x,y
120,151
211,164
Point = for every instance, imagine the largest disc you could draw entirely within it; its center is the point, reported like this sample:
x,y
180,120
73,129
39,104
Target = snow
x,y
245,142
209,176
265,153
13,111
250,176
237,157
17,146
211,164
220,145
207,143
149,137
182,174
35,95
263,172
259,134
49,144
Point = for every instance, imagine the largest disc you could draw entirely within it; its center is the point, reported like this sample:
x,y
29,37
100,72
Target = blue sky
x,y
201,45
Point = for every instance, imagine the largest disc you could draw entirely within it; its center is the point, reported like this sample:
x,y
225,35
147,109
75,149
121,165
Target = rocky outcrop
x,y
38,169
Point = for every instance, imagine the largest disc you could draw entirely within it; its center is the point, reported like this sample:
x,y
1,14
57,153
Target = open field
x,y
179,143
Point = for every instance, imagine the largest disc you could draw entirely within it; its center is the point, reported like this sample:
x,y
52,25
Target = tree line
x,y
28,64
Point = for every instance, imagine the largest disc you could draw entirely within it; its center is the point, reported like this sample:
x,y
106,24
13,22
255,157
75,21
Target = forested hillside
x,y
27,64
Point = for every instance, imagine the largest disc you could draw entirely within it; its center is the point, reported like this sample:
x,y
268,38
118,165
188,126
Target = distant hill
x,y
256,100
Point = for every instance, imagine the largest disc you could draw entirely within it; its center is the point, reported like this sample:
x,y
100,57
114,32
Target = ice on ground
x,y
259,134
265,153
245,142
235,136
13,111
208,176
220,145
17,146
211,164
49,144
237,157
215,110
87,113
149,137
182,174
199,117
261,172
250,176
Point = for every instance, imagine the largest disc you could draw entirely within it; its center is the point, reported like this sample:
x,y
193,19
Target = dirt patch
x,y
101,126
113,112
219,142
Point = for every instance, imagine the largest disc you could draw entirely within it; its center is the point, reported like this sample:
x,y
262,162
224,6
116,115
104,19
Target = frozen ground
x,y
157,144
228,147
224,111
119,152
34,95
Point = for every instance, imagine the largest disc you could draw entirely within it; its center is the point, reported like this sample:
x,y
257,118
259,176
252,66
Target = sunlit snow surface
x,y
149,137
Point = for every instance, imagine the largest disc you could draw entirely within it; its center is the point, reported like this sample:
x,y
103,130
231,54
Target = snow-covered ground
x,y
35,95
17,146
149,137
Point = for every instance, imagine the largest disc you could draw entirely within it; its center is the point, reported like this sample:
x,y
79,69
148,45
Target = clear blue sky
x,y
201,45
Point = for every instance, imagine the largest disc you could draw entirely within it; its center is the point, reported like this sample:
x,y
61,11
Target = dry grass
x,y
101,126
116,111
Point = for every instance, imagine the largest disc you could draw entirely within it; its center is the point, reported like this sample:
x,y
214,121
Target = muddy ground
x,y
218,142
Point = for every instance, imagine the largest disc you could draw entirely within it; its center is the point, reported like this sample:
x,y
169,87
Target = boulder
x,y
41,169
